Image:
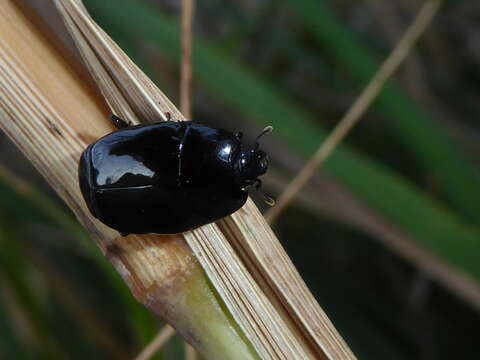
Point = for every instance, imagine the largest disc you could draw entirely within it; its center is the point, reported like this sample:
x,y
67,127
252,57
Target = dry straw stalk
x,y
51,113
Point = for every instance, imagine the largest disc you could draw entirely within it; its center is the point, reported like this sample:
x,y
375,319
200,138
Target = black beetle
x,y
167,177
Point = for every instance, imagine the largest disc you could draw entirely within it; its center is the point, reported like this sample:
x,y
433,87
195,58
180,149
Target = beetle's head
x,y
252,163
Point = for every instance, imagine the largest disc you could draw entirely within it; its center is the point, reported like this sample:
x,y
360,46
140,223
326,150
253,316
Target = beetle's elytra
x,y
167,177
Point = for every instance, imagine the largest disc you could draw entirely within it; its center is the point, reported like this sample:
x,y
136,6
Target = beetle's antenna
x,y
267,130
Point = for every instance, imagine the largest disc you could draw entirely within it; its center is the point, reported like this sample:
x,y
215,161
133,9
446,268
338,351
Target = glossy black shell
x,y
166,178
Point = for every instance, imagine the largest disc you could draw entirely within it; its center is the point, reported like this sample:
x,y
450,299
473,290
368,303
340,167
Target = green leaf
x,y
13,267
10,345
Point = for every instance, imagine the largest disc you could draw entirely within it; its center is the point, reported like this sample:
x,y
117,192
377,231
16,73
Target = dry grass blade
x,y
262,323
190,353
49,111
238,289
353,115
158,341
128,91
266,257
52,128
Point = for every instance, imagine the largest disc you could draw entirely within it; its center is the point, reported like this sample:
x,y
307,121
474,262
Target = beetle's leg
x,y
268,200
168,115
248,183
258,183
119,123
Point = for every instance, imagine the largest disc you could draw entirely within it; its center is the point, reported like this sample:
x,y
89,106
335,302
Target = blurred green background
x,y
387,235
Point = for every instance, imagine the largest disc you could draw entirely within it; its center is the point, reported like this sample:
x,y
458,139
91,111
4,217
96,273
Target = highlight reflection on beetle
x,y
168,177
